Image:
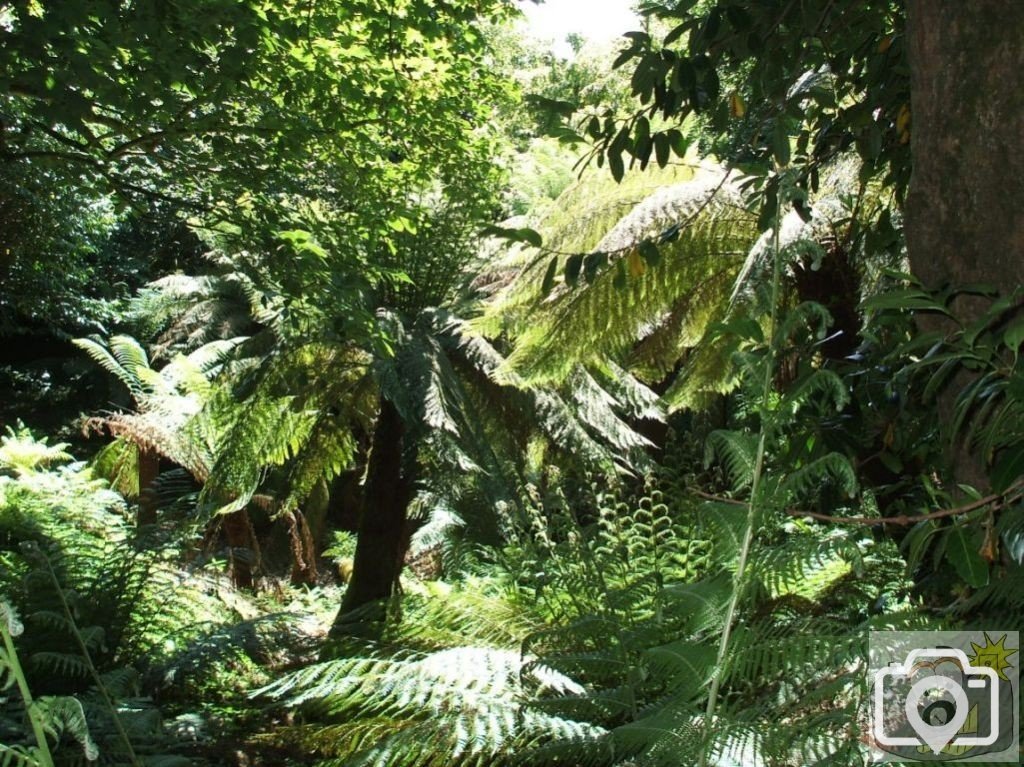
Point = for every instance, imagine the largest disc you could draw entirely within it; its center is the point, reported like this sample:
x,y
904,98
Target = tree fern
x,y
631,300
456,706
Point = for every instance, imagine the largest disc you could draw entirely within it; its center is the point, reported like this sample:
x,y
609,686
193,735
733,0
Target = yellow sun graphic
x,y
993,654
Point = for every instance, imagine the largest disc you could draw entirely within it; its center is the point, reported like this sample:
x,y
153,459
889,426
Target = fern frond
x,y
605,318
105,357
821,385
65,716
458,706
737,452
22,452
830,468
21,756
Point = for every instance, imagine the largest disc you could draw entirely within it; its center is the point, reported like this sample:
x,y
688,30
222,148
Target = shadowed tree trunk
x,y
304,548
383,536
244,550
964,212
149,470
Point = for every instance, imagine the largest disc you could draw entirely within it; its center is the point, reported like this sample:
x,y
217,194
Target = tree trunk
x,y
304,550
965,218
242,547
383,536
149,470
964,211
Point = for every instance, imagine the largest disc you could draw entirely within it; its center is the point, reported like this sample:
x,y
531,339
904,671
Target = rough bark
x,y
149,470
965,218
303,550
383,536
965,207
243,549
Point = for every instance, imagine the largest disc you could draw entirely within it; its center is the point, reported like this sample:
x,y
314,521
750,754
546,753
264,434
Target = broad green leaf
x,y
572,268
1009,468
616,165
780,143
650,252
549,277
904,298
1013,336
662,149
963,553
523,235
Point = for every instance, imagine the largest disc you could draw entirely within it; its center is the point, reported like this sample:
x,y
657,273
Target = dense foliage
x,y
446,402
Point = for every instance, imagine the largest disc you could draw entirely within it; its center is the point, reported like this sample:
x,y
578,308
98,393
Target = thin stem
x,y
46,758
118,725
739,580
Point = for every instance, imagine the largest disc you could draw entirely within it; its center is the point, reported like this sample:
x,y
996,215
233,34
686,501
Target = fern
x,y
22,453
10,666
455,706
605,318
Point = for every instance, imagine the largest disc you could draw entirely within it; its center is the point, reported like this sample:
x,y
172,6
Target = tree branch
x,y
1009,495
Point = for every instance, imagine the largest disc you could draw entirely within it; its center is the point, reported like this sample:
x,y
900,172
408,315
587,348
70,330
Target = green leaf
x,y
780,143
969,564
619,281
531,237
679,142
891,462
618,168
677,32
592,264
904,298
1013,336
662,149
650,252
523,235
1008,469
572,268
552,106
623,57
549,277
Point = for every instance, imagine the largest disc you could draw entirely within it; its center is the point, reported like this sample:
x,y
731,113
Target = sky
x,y
595,19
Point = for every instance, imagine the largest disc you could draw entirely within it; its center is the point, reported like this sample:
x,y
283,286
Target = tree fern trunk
x,y
149,470
243,548
383,530
304,548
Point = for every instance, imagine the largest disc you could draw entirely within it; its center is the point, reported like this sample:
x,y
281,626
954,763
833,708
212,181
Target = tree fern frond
x,y
736,450
676,334
61,664
798,239
605,318
821,383
464,705
636,400
466,615
123,358
554,418
596,408
830,468
581,218
806,316
65,716
708,373
684,665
